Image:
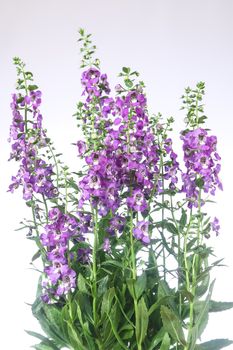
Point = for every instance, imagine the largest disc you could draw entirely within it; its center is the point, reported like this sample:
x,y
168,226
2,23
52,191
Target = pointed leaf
x,y
165,343
142,320
82,284
161,301
165,291
216,306
171,228
201,319
75,338
183,219
172,324
157,339
215,344
140,285
115,331
36,255
45,341
44,346
107,301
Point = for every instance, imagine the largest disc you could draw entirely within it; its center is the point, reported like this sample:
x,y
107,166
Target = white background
x,y
172,44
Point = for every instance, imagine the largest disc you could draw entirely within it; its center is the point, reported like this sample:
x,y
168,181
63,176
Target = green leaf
x,y
126,332
126,70
215,344
165,343
140,285
161,301
200,182
142,320
165,291
107,301
183,219
201,318
75,338
45,341
103,285
171,228
172,324
157,339
112,262
36,255
32,87
85,304
44,346
203,286
114,324
82,284
128,83
130,284
214,306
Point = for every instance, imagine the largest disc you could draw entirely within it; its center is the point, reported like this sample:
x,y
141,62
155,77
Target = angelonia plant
x,y
122,244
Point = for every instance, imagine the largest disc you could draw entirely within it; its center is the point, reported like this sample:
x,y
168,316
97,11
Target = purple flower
x,y
201,159
140,232
107,245
81,147
68,281
215,226
116,225
137,201
34,175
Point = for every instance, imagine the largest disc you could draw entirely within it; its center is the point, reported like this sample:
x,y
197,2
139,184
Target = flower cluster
x,y
59,277
126,158
202,163
34,175
171,166
94,83
98,103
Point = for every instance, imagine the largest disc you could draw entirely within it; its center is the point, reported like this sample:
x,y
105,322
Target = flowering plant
x,y
122,243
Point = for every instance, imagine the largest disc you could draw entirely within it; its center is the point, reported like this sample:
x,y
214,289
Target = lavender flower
x,y
201,161
59,276
215,226
107,245
141,231
34,175
137,201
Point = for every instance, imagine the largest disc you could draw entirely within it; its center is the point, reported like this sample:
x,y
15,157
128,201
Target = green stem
x,y
94,263
46,208
66,192
25,107
179,255
56,164
163,211
133,259
195,268
38,242
132,252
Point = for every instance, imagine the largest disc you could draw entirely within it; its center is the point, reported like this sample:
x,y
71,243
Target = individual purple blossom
x,y
81,147
107,245
137,201
68,281
140,232
116,225
215,226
